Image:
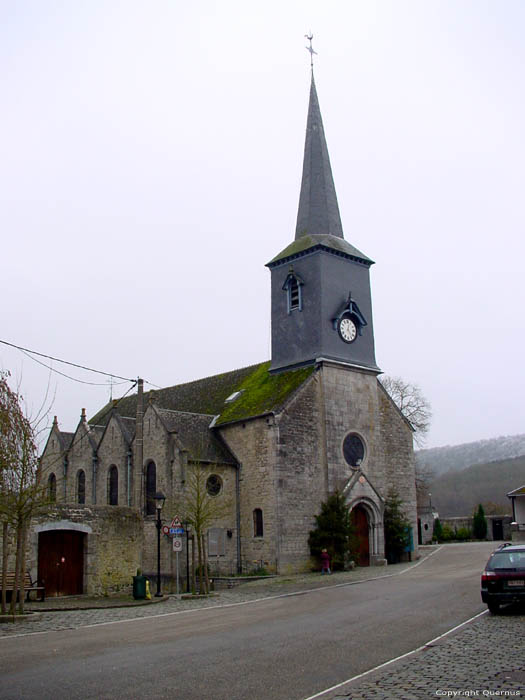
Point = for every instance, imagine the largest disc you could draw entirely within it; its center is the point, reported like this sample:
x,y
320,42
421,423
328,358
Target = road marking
x,y
397,658
229,605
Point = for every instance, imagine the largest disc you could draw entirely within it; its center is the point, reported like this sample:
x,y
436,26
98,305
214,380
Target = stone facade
x,y
275,439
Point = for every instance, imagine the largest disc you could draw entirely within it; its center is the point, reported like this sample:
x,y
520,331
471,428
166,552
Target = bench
x,y
29,585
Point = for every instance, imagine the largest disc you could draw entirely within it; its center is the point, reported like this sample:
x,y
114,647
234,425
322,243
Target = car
x,y
503,580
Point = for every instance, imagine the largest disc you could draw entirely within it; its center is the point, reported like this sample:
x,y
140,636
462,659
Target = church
x,y
272,441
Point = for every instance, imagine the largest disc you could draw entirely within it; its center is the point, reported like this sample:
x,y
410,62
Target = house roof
x,y
259,393
517,492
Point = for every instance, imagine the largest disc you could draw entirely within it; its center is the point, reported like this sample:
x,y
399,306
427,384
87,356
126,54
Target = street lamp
x,y
159,502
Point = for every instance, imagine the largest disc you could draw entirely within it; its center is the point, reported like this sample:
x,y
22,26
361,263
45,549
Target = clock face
x,y
347,330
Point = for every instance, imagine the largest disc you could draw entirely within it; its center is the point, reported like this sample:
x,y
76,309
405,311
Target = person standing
x,y
325,562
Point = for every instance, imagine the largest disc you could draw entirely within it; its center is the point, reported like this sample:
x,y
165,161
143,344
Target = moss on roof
x,y
326,241
262,392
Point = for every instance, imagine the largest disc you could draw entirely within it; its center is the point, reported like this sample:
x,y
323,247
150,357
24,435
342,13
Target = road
x,y
286,648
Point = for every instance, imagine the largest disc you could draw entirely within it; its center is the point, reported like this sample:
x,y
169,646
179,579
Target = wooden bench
x,y
29,585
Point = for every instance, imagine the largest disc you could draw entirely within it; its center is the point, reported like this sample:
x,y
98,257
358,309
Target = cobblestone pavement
x,y
484,659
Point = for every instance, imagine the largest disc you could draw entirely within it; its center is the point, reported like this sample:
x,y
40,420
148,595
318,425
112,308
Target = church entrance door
x,y
360,522
61,561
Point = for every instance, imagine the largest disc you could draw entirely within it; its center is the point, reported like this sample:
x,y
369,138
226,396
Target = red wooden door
x,y
61,561
360,522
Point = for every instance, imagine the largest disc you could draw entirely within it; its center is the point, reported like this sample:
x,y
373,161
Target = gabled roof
x,y
193,432
65,440
517,492
261,393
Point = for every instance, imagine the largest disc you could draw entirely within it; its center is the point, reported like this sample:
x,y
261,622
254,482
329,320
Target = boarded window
x,y
216,542
113,486
258,523
151,488
81,486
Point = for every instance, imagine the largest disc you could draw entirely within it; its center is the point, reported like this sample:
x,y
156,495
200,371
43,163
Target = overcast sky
x,y
150,164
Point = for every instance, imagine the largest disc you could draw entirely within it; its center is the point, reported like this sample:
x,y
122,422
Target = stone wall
x,y
113,543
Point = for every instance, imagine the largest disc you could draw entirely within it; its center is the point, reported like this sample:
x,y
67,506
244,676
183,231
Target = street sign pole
x,y
177,572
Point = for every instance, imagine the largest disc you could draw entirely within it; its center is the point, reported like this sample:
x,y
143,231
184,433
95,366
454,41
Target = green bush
x,y
397,528
437,533
479,524
447,534
463,533
334,531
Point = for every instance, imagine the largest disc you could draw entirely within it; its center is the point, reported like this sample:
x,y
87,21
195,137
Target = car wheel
x,y
494,608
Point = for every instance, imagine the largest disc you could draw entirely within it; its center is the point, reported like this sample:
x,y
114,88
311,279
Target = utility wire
x,y
65,362
74,379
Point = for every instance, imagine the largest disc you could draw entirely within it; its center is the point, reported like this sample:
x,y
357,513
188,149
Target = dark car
x,y
503,580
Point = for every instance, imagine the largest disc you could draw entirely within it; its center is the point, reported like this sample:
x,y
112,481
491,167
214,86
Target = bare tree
x,y
412,404
200,510
20,491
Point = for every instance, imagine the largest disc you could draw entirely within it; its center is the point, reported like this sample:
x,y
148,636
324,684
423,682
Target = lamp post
x,y
159,502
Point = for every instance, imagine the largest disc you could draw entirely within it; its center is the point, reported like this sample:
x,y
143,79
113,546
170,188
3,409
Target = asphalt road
x,y
278,649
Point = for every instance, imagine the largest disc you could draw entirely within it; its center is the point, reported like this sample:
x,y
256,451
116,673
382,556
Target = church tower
x,y
321,300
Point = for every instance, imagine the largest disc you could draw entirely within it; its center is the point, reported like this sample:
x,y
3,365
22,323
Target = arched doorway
x,y
359,518
61,561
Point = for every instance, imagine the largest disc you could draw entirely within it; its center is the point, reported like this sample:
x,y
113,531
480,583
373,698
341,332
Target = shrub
x,y
334,531
397,528
437,533
479,524
463,533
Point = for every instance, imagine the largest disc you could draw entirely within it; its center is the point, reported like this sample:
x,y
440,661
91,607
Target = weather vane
x,y
310,49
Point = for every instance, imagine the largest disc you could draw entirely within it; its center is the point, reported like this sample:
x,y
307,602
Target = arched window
x,y
258,523
81,486
151,488
113,486
52,488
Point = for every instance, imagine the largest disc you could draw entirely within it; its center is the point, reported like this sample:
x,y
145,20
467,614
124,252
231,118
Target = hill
x,y
457,457
457,493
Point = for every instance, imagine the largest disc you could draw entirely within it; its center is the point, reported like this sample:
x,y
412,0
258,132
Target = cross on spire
x,y
310,49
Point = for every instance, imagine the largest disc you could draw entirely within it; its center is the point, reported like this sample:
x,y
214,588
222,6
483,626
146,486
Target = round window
x,y
214,485
353,450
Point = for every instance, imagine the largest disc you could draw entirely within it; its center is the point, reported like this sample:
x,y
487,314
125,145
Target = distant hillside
x,y
458,493
457,457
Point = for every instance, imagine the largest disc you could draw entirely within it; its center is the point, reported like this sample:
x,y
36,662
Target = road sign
x,y
176,531
176,522
165,530
177,544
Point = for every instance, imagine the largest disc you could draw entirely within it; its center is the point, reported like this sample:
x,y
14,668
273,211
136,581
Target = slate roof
x,y
193,431
261,393
318,209
308,243
65,440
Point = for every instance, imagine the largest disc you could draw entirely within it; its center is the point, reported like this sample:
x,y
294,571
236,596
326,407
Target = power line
x,y
65,362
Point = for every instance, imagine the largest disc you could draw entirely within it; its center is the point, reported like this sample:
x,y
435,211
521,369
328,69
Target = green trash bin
x,y
139,587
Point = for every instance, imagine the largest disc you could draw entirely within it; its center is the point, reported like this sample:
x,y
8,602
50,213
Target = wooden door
x,y
61,561
360,523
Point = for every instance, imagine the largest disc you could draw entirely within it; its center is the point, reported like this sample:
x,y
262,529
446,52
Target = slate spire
x,y
318,210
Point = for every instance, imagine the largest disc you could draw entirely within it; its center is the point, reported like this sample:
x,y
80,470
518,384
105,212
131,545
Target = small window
x,y
353,450
214,485
113,486
81,486
52,488
258,530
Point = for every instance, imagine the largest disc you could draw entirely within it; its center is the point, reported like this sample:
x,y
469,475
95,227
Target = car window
x,y
507,560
